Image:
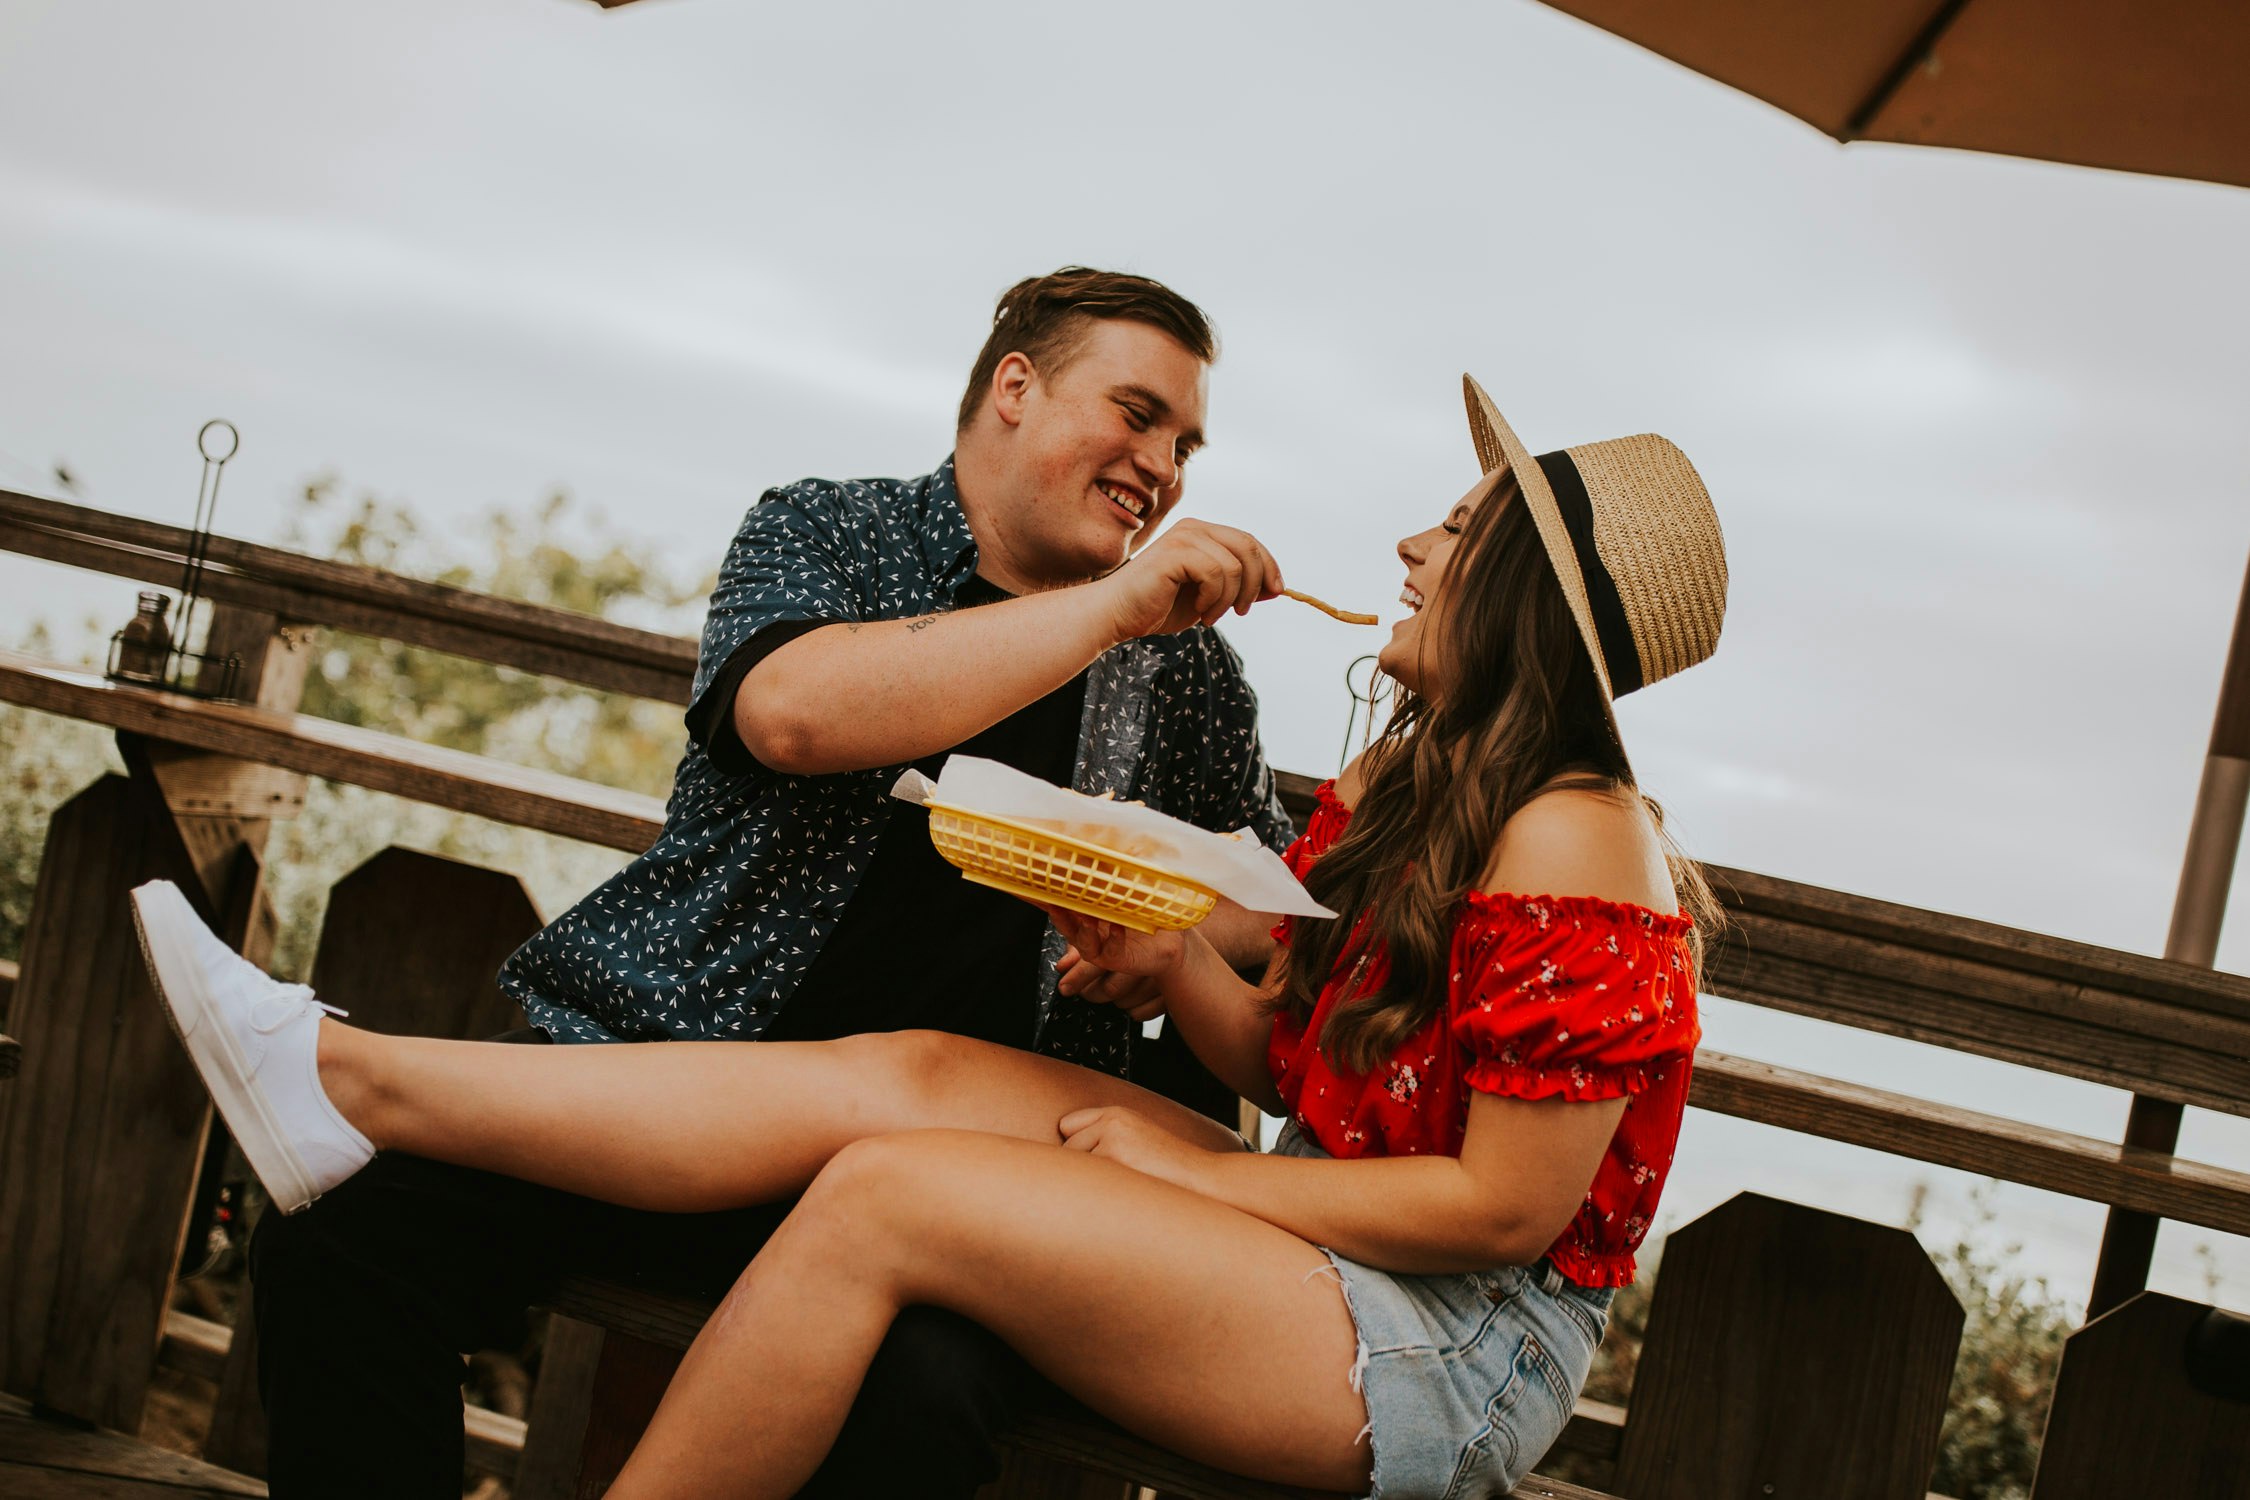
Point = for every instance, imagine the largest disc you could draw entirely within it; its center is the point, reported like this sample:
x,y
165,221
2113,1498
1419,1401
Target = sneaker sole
x,y
178,979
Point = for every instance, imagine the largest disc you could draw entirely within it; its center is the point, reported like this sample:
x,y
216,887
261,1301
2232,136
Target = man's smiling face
x,y
1103,445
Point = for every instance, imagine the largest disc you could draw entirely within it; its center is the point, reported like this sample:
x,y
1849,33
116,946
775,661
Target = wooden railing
x,y
2162,1030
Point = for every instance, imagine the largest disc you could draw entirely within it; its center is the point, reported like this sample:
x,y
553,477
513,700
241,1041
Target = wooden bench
x,y
1771,1319
656,1327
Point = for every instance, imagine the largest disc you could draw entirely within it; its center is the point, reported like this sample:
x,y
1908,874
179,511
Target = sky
x,y
1973,425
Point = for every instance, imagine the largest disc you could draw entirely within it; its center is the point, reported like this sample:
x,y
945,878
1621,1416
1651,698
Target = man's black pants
x,y
368,1300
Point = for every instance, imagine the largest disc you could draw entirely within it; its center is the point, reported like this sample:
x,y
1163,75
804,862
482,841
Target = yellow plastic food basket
x,y
1025,860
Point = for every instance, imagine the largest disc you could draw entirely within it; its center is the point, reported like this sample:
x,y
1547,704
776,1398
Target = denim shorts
x,y
1468,1377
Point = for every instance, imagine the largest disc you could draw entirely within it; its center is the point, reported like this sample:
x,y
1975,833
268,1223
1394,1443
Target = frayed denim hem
x,y
1357,1374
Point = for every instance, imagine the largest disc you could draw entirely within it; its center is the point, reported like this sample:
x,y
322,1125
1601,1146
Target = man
x,y
857,628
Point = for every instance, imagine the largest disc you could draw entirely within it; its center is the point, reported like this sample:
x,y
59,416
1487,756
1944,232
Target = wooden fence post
x,y
562,1403
411,945
11,1053
101,1133
2129,1419
1790,1352
628,1382
1034,1476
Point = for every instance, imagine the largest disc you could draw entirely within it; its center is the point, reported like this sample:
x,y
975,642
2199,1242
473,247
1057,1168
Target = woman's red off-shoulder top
x,y
1568,996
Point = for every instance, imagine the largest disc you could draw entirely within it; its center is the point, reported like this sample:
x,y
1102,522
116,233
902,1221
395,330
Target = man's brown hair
x,y
1045,318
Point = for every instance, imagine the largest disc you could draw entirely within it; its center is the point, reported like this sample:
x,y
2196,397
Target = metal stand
x,y
2214,839
1371,690
186,670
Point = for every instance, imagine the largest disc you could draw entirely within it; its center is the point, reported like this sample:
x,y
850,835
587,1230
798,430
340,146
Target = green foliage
x,y
44,762
443,700
2011,1347
1619,1357
472,706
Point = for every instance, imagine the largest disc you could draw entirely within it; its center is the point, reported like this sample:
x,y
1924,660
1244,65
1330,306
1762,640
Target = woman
x,y
1404,1296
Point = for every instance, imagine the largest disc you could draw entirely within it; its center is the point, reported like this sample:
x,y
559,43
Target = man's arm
x,y
850,696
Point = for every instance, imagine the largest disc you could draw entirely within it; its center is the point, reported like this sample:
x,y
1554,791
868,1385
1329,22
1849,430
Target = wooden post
x,y
100,1135
236,1438
562,1403
223,802
223,809
2198,910
11,1054
628,1383
111,1100
410,946
2128,1419
1034,1476
1790,1352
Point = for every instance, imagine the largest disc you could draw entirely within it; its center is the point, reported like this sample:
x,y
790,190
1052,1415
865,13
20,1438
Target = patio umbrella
x,y
2156,87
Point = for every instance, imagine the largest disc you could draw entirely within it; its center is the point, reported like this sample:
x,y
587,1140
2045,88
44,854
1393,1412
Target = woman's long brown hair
x,y
1520,712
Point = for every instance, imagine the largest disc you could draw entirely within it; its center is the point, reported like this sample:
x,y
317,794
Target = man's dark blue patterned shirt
x,y
708,934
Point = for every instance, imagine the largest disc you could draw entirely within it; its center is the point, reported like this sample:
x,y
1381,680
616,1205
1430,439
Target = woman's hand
x,y
1131,1138
1106,964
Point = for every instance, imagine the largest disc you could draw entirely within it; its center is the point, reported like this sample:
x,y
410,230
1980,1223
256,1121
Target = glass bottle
x,y
144,646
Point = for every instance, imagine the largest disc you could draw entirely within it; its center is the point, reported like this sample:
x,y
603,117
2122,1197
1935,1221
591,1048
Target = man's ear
x,y
1011,387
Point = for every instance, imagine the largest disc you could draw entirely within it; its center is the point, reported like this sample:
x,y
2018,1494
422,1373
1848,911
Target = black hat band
x,y
1619,654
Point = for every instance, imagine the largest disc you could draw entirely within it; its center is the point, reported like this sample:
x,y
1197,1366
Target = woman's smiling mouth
x,y
1411,597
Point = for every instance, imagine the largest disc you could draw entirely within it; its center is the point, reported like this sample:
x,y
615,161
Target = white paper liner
x,y
1238,868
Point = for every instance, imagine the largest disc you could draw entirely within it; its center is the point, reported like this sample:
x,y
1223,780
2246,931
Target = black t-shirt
x,y
918,945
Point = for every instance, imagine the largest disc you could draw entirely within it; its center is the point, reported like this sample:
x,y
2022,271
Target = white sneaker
x,y
253,1039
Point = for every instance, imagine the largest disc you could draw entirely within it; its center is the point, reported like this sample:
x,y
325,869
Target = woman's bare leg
x,y
1188,1322
691,1126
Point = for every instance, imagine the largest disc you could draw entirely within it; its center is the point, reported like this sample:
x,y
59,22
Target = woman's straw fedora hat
x,y
1630,529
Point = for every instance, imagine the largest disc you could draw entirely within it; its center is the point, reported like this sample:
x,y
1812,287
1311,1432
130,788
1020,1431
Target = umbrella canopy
x,y
2153,87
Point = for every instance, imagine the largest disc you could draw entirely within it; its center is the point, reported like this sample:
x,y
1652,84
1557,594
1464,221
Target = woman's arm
x,y
1521,1175
1524,1165
1225,1020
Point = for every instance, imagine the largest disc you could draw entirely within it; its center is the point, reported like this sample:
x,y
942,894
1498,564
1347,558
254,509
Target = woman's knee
x,y
868,1173
856,1219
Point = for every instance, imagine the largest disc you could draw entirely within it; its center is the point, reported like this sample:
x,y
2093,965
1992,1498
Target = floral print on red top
x,y
1550,996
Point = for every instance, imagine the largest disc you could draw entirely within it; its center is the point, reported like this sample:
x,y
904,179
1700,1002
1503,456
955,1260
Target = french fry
x,y
1349,617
